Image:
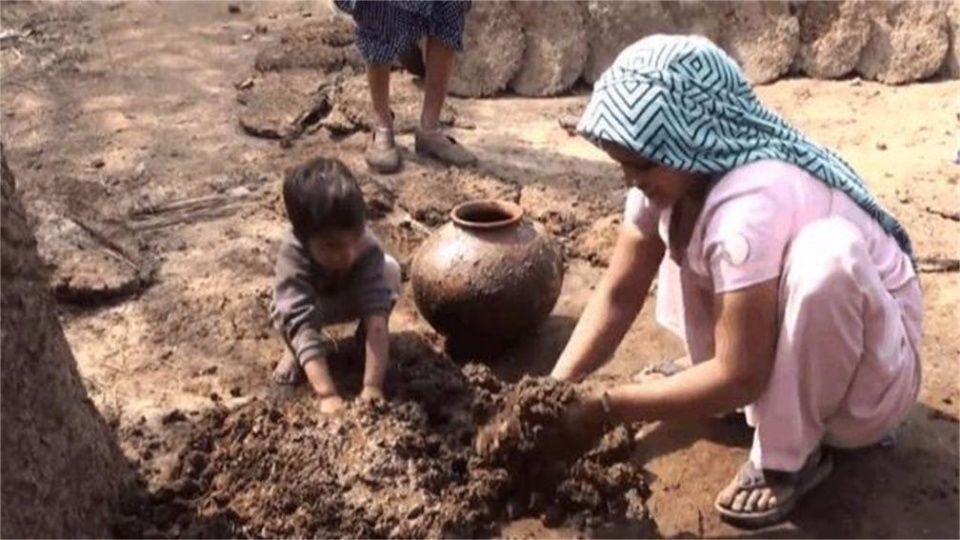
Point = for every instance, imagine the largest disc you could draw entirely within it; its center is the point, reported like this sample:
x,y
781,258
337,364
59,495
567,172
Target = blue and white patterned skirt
x,y
386,29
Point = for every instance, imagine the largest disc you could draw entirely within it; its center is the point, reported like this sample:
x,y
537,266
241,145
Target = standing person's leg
x,y
382,154
378,79
439,67
430,140
381,34
832,300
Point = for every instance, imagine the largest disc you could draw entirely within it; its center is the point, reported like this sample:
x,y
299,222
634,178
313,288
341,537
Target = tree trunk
x,y
60,468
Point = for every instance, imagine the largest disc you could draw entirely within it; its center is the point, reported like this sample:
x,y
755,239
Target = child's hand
x,y
331,404
372,393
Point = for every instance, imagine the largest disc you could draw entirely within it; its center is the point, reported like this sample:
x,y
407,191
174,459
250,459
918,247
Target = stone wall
x,y
543,48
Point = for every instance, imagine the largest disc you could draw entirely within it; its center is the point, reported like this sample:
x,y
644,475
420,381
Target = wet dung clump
x,y
403,468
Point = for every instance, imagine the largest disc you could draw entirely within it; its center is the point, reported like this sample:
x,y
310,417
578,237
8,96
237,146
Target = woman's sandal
x,y
749,479
443,147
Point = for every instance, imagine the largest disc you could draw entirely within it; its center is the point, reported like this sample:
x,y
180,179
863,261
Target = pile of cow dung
x,y
403,468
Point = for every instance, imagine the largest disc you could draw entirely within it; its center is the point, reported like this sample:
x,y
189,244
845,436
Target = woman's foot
x,y
439,145
288,371
382,154
758,498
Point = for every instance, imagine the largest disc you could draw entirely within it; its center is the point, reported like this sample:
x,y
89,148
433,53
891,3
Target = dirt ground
x,y
123,117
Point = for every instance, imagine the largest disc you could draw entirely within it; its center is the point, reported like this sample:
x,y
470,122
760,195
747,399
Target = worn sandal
x,y
443,147
382,154
750,479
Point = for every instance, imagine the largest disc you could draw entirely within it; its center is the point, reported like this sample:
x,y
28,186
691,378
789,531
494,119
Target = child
x,y
331,269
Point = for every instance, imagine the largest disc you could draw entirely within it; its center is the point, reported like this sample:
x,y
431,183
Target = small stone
x,y
235,391
260,29
415,512
233,7
246,37
881,146
175,415
214,397
196,462
98,163
306,14
208,370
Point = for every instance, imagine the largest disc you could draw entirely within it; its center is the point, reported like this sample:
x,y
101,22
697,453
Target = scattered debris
x,y
937,265
952,216
176,415
403,468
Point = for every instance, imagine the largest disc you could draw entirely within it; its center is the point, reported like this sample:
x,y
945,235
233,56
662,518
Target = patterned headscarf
x,y
682,102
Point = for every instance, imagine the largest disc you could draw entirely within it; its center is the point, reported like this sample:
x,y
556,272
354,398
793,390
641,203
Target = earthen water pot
x,y
489,276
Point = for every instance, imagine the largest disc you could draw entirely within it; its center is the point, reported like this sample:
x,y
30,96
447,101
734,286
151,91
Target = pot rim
x,y
513,212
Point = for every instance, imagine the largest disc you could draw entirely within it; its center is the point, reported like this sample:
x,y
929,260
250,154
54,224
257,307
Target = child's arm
x,y
377,356
375,303
318,374
295,302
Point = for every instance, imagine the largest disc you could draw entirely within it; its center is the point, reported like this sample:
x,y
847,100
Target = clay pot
x,y
489,276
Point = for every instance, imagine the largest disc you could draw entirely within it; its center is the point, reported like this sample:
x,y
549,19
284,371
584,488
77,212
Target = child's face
x,y
337,249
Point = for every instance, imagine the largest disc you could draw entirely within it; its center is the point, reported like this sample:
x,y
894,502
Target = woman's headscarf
x,y
682,102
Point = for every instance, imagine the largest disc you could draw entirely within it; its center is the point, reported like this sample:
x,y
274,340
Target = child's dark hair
x,y
322,194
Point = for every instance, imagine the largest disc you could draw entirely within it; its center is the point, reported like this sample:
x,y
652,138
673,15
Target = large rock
x,y
697,18
492,50
613,25
555,34
951,67
908,42
763,37
832,37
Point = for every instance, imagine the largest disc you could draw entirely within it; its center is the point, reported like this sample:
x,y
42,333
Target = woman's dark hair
x,y
322,194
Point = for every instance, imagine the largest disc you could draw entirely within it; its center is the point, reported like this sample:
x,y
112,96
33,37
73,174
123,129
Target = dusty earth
x,y
159,214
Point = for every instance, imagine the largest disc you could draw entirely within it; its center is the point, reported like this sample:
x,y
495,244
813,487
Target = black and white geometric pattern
x,y
681,101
